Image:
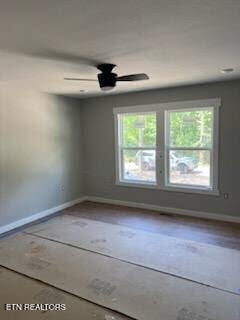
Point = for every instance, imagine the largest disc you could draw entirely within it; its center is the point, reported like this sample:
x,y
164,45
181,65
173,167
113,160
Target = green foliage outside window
x,y
187,129
191,129
139,130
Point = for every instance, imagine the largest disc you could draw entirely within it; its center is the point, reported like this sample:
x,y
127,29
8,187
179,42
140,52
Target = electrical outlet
x,y
226,195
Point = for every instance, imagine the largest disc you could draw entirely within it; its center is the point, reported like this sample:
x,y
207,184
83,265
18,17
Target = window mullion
x,y
166,147
160,148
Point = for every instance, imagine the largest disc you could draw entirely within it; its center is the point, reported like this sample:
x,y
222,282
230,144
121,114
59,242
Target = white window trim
x,y
160,109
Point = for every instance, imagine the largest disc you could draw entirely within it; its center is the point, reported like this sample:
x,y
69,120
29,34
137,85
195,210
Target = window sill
x,y
168,188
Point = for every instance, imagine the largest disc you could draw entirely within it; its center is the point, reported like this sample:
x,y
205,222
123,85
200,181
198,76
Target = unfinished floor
x,y
112,262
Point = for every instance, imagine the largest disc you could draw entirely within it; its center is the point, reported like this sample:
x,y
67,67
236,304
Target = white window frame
x,y
122,148
161,111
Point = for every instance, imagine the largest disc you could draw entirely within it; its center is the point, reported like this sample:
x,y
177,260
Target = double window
x,y
172,146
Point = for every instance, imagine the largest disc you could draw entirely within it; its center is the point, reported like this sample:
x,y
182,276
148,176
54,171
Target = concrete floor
x,y
15,286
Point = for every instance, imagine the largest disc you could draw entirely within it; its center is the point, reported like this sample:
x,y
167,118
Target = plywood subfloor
x,y
94,285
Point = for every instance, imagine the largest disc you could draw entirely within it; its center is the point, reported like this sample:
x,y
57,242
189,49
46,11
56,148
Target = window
x,y
172,146
138,147
189,147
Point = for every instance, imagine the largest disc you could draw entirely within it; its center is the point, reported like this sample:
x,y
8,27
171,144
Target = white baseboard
x,y
183,212
39,215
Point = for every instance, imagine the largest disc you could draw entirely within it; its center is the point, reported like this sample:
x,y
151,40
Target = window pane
x,y
189,167
139,165
139,130
191,128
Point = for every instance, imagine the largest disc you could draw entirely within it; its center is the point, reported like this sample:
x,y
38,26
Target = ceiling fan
x,y
107,79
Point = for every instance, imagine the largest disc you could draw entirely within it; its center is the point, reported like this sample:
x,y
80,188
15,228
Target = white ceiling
x,y
175,42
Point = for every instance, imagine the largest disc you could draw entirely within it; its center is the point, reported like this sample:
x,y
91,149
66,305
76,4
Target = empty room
x,y
119,160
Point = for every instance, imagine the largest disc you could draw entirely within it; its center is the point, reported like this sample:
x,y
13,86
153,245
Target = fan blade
x,y
133,77
80,79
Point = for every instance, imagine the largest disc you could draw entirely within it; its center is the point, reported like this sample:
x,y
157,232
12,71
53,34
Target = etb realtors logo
x,y
34,307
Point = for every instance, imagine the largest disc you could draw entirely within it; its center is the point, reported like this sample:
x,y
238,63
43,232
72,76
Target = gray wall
x,y
99,156
55,149
40,152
